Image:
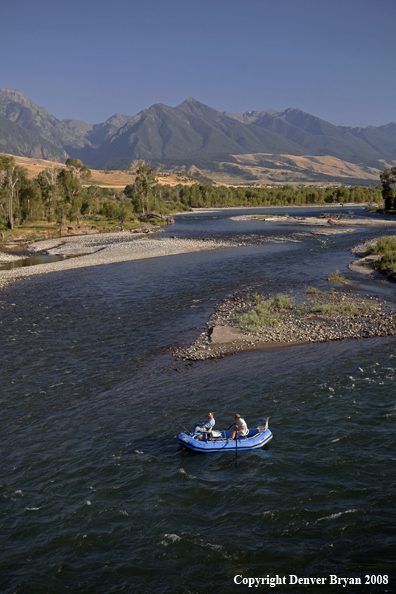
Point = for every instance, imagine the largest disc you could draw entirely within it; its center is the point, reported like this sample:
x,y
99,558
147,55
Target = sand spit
x,y
98,249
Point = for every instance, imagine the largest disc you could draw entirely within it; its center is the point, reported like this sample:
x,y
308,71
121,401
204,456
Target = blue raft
x,y
218,441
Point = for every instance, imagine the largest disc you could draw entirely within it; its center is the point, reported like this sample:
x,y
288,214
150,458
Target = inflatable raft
x,y
219,441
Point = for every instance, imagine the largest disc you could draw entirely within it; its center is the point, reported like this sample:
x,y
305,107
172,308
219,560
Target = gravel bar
x,y
98,249
365,317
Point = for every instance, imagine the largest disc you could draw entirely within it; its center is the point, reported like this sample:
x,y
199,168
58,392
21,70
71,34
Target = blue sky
x,y
88,60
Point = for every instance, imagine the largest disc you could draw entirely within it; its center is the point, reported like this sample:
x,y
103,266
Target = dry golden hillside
x,y
105,179
253,169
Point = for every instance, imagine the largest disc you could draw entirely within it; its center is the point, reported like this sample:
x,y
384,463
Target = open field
x,y
104,179
274,170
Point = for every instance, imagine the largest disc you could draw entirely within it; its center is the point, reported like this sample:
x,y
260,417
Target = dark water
x,y
96,495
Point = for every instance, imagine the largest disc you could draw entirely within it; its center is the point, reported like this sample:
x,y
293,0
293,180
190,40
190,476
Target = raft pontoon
x,y
219,441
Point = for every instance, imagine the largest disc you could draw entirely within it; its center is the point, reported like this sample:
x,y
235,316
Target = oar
x,y
236,443
236,448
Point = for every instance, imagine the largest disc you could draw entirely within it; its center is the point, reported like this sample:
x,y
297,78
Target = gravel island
x,y
310,316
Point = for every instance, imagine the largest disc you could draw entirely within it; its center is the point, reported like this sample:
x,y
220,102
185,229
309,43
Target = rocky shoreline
x,y
317,317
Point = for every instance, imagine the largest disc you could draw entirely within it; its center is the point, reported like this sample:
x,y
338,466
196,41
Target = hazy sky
x,y
90,59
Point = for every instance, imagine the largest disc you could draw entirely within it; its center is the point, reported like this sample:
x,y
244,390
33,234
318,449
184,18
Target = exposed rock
x,y
224,334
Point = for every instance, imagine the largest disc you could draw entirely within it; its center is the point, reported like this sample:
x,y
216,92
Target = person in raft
x,y
208,426
241,428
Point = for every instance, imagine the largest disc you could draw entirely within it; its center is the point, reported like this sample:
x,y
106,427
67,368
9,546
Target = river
x,y
96,495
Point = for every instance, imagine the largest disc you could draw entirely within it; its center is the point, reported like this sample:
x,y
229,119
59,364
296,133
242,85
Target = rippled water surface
x,y
96,495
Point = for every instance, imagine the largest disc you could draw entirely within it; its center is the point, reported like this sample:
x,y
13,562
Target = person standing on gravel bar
x,y
241,428
208,426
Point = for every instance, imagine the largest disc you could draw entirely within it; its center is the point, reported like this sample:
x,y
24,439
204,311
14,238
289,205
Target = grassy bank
x,y
386,249
29,232
284,309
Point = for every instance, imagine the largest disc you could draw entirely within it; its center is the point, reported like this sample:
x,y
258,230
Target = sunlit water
x,y
96,495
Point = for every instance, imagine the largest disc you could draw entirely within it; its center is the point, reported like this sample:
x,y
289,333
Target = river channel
x,y
97,497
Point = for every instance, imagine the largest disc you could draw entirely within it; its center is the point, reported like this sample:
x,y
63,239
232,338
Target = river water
x,y
97,497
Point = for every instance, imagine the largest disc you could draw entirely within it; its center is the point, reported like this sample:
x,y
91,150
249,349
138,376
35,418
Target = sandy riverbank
x,y
99,249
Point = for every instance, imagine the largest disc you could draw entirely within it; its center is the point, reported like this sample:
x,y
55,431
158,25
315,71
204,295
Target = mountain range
x,y
191,134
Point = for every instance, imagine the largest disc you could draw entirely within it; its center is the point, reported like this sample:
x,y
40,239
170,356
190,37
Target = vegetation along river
x,y
96,495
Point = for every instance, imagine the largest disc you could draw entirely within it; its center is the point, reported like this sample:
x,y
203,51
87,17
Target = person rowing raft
x,y
241,427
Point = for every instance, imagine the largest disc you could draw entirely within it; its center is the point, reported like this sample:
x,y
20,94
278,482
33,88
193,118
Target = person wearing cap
x,y
206,427
241,428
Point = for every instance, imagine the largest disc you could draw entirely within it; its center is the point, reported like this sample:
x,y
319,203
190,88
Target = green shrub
x,y
322,308
387,262
346,308
384,245
336,277
259,315
283,301
249,321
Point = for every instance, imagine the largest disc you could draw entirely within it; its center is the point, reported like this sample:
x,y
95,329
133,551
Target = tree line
x,y
64,194
210,196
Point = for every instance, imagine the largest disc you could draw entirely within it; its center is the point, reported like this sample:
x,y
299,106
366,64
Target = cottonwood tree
x,y
47,179
135,197
95,193
144,180
132,167
11,175
28,199
71,194
388,181
78,169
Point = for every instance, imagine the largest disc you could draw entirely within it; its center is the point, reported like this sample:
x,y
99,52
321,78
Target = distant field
x,y
308,170
245,170
104,179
